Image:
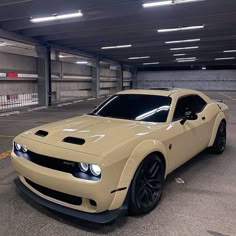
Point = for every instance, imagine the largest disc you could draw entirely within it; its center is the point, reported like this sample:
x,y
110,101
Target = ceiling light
x,y
224,58
191,60
116,47
179,55
82,62
56,17
180,29
62,56
3,44
187,58
229,51
151,63
136,58
185,48
183,41
169,2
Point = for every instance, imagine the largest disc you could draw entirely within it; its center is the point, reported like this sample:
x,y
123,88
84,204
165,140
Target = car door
x,y
187,139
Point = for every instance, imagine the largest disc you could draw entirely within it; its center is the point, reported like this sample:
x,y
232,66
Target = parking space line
x,y
5,154
6,136
227,96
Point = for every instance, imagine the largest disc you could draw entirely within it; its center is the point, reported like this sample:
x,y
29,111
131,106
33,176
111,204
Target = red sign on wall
x,y
12,74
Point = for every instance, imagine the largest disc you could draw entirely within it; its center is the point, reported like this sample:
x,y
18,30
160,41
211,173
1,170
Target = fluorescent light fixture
x,y
137,58
224,58
117,47
183,41
3,44
169,2
56,17
82,62
187,58
185,48
151,63
226,51
180,55
181,29
157,4
63,56
191,60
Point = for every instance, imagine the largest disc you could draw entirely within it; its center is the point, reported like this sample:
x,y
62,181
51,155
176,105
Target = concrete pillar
x,y
96,79
119,77
134,80
61,75
44,73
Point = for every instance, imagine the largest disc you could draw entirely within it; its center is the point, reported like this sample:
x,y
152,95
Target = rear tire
x,y
220,140
147,185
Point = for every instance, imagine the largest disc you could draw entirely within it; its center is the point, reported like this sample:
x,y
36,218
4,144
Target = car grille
x,y
59,164
54,163
55,194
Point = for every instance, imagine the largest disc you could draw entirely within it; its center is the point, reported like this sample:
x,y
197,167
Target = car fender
x,y
137,156
219,118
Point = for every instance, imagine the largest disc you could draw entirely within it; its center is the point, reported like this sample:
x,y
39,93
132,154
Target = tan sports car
x,y
115,159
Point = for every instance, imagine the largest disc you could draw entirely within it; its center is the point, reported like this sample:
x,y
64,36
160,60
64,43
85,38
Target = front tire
x,y
220,140
147,185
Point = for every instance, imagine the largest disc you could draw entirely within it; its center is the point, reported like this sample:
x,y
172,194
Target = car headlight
x,y
95,170
18,147
24,149
84,167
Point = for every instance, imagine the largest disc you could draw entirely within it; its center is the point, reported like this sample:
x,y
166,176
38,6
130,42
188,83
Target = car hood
x,y
93,134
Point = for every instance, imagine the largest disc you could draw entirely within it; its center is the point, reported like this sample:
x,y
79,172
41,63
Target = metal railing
x,y
14,101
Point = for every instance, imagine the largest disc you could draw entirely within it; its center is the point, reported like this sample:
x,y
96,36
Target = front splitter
x,y
98,218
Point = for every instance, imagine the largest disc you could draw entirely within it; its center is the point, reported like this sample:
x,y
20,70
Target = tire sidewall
x,y
133,208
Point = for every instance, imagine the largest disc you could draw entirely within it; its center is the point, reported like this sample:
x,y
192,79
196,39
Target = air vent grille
x,y
41,133
73,140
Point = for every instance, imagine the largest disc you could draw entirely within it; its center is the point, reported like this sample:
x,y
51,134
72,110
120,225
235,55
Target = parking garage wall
x,y
18,80
197,79
127,79
70,81
108,81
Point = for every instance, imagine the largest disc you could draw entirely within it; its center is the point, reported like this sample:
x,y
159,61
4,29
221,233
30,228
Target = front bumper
x,y
99,218
98,191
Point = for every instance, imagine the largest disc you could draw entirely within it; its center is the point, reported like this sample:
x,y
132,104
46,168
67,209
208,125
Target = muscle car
x,y
114,160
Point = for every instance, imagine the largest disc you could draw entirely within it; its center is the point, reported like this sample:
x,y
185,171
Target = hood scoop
x,y
41,133
73,140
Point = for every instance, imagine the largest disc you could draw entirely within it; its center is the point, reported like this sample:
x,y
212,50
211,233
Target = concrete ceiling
x,y
113,22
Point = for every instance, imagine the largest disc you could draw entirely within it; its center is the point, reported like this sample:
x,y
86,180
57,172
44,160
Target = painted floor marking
x,y
227,96
5,154
6,136
10,113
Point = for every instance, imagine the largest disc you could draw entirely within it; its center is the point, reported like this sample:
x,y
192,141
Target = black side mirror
x,y
189,115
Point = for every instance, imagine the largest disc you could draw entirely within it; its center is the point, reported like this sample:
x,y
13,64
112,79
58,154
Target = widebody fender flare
x,y
219,118
138,155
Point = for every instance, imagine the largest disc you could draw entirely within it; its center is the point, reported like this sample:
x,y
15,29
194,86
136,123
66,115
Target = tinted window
x,y
192,103
199,104
135,107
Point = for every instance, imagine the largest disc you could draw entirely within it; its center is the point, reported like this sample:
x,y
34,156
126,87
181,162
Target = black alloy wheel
x,y
220,140
147,185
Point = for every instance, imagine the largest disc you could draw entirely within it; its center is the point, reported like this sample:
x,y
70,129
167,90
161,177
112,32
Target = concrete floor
x,y
204,205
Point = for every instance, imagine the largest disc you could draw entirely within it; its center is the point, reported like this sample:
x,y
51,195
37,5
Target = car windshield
x,y
139,107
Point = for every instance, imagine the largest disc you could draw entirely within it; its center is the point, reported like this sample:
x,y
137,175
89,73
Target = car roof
x,y
160,91
174,93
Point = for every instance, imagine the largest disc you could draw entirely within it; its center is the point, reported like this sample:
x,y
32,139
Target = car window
x,y
199,104
192,103
140,107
